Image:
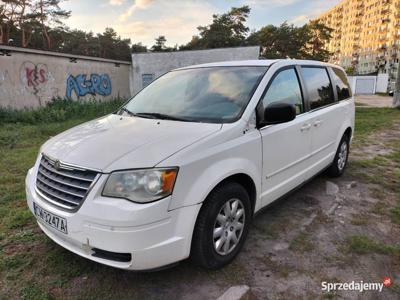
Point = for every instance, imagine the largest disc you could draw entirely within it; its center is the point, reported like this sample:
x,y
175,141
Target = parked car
x,y
182,168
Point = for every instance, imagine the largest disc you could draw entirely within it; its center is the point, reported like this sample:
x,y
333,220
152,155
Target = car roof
x,y
258,63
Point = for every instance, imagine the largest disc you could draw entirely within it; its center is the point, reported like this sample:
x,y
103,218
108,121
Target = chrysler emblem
x,y
57,164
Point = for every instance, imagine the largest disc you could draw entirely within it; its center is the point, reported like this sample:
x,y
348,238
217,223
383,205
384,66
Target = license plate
x,y
50,219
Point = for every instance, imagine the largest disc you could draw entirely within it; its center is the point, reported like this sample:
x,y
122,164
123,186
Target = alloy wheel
x,y
228,226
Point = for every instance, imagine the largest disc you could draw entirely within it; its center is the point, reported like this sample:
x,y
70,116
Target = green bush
x,y
59,110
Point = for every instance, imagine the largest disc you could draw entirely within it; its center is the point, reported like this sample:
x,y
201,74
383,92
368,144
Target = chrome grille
x,y
63,185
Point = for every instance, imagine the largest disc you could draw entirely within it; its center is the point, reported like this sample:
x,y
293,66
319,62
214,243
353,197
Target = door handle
x,y
305,127
317,123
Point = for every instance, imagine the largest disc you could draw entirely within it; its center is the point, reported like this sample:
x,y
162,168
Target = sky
x,y
144,20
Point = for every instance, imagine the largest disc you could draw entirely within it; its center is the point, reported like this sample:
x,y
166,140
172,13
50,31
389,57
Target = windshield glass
x,y
214,94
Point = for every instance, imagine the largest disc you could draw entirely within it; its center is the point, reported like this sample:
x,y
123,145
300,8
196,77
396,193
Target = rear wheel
x,y
340,161
222,226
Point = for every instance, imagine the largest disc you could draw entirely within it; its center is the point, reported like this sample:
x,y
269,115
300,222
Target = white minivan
x,y
181,169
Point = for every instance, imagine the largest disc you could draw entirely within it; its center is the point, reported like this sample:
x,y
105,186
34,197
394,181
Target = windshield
x,y
214,94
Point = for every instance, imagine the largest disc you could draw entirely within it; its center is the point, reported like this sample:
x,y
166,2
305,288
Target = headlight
x,y
141,185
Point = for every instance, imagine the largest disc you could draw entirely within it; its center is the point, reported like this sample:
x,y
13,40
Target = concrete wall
x,y
148,66
382,82
31,78
365,85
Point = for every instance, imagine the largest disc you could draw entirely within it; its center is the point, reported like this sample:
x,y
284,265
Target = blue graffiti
x,y
96,85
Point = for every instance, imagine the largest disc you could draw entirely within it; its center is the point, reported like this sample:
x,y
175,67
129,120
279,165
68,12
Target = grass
x,y
360,244
59,110
33,267
382,94
383,170
370,120
23,267
301,243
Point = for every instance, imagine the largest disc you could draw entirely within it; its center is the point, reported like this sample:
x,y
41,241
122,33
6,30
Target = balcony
x,y
385,10
382,37
383,28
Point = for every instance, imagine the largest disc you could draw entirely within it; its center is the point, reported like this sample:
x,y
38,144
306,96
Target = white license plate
x,y
50,219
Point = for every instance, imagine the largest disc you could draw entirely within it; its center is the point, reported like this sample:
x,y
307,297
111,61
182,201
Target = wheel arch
x,y
244,180
348,132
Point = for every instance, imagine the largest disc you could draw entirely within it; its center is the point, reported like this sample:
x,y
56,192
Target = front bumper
x,y
154,236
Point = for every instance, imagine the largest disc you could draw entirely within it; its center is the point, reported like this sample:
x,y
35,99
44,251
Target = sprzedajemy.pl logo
x,y
360,286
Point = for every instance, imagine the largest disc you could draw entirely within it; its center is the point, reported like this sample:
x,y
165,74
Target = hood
x,y
118,142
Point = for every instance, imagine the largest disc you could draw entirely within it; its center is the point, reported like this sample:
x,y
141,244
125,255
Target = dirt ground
x,y
314,235
374,100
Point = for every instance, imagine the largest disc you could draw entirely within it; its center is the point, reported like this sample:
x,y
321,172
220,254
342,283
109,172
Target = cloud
x,y
316,10
270,3
162,19
299,20
139,4
116,2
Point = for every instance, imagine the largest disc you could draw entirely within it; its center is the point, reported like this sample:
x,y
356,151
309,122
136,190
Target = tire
x,y
339,163
208,251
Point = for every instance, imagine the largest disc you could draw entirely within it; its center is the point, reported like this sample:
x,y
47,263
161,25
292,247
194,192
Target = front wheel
x,y
222,226
340,161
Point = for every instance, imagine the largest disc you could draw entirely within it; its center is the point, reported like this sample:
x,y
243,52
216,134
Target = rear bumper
x,y
153,236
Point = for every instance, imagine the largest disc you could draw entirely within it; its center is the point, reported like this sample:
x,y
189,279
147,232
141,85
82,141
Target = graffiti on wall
x,y
93,85
35,78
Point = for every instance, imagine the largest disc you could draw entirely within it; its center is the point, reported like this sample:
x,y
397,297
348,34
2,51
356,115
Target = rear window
x,y
341,84
319,86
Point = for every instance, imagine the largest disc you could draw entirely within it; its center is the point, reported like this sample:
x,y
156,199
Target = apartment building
x,y
366,36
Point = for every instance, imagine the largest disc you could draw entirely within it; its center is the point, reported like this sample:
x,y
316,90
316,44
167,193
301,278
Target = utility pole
x,y
396,95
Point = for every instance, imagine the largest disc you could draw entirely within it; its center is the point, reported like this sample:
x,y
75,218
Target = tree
x,y
226,30
318,35
27,22
138,48
279,42
160,44
8,17
396,95
48,12
351,71
112,46
305,42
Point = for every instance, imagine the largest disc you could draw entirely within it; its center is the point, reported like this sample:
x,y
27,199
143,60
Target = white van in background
x,y
182,167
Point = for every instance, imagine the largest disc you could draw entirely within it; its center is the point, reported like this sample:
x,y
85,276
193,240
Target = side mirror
x,y
277,113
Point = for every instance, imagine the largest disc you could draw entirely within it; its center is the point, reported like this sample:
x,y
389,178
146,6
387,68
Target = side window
x,y
341,84
319,86
285,88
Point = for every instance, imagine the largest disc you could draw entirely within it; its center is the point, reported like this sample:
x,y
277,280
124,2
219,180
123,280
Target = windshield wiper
x,y
155,116
124,109
162,117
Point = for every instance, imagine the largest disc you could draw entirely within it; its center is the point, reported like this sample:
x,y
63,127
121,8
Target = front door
x,y
286,146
